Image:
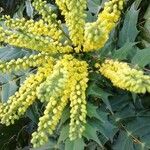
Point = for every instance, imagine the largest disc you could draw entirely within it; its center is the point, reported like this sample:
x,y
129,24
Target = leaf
x,y
142,57
8,85
8,89
119,101
91,133
19,13
136,135
96,91
8,53
108,130
8,135
146,33
126,113
49,146
105,128
65,116
29,8
123,142
90,17
92,112
32,113
129,30
137,3
124,52
94,6
64,134
77,144
109,46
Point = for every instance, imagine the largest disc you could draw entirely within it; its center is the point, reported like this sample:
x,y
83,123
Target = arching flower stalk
x,y
64,79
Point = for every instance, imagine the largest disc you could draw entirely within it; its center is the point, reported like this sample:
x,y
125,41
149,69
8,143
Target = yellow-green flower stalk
x,y
17,104
30,41
125,77
30,26
78,102
24,63
55,84
49,120
97,33
50,18
75,86
74,12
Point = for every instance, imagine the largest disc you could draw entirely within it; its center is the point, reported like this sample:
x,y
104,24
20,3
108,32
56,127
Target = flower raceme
x,y
57,99
47,33
61,76
125,77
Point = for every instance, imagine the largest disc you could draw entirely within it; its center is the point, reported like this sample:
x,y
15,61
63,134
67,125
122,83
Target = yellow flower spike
x,y
56,104
62,6
78,103
24,63
49,120
18,104
50,18
54,84
97,33
39,43
125,77
34,27
2,107
74,12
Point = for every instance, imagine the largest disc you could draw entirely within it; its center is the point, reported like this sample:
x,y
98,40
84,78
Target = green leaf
x,y
65,115
94,6
123,142
90,17
64,134
91,133
120,100
29,8
146,34
105,128
124,52
8,85
96,91
129,30
19,13
8,53
74,145
135,136
33,113
49,146
92,112
8,89
142,57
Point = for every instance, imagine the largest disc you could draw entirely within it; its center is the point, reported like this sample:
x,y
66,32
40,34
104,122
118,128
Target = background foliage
x,y
117,119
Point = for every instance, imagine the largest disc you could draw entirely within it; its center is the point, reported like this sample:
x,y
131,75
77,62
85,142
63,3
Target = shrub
x,y
69,74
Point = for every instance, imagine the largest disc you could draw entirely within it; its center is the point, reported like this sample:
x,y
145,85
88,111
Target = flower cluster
x,y
62,76
30,41
39,27
74,12
97,33
78,103
24,63
50,18
67,82
17,104
125,77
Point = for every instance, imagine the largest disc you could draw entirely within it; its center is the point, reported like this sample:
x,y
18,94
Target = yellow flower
x,y
125,77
